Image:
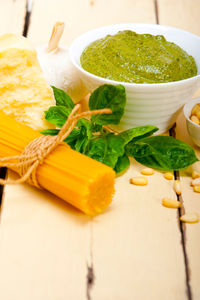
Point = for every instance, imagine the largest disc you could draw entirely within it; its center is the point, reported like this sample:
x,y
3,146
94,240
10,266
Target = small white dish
x,y
154,104
193,128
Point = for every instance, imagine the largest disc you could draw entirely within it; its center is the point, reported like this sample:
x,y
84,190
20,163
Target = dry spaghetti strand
x,y
38,149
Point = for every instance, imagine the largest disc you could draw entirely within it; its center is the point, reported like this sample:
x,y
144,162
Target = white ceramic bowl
x,y
155,104
193,129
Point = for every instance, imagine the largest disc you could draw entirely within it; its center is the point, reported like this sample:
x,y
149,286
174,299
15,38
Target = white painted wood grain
x,y
12,14
45,247
137,248
135,245
191,202
183,14
82,15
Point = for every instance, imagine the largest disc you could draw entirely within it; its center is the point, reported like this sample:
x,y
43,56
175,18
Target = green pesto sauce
x,y
137,58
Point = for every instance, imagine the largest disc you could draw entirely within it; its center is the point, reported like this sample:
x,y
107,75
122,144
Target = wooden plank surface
x,y
12,16
133,251
191,202
82,15
185,15
137,249
44,247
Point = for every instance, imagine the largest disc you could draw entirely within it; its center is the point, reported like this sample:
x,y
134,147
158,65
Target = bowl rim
x,y
187,114
128,84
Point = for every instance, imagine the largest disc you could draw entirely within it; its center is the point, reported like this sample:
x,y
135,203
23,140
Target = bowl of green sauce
x,y
158,65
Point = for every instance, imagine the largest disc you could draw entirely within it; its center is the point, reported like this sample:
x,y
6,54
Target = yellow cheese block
x,y
24,93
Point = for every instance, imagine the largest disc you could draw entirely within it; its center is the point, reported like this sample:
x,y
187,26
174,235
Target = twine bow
x,y
38,149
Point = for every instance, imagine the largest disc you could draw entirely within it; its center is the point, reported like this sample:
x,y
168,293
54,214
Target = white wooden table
x,y
137,249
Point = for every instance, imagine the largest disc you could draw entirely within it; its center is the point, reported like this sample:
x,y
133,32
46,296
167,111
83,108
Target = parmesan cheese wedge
x,y
24,93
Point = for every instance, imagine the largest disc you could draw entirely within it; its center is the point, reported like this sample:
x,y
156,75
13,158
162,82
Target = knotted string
x,y
37,150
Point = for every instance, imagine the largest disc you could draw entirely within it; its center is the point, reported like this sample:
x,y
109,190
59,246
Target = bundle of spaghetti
x,y
70,175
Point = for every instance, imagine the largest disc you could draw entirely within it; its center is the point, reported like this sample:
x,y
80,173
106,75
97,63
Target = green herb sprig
x,y
92,139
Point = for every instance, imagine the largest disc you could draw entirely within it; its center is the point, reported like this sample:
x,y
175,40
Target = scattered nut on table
x,y
139,180
168,175
147,171
195,181
195,174
171,203
196,188
177,187
195,114
190,218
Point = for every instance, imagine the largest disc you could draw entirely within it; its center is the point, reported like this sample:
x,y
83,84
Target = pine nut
x,y
177,187
195,109
196,166
195,181
168,176
195,174
196,188
139,180
190,218
198,114
195,120
171,203
147,171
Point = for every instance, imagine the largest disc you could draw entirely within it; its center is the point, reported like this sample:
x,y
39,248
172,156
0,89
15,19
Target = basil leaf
x,y
122,164
72,137
57,115
96,128
134,134
69,140
84,136
163,153
62,99
85,126
106,149
108,96
50,131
